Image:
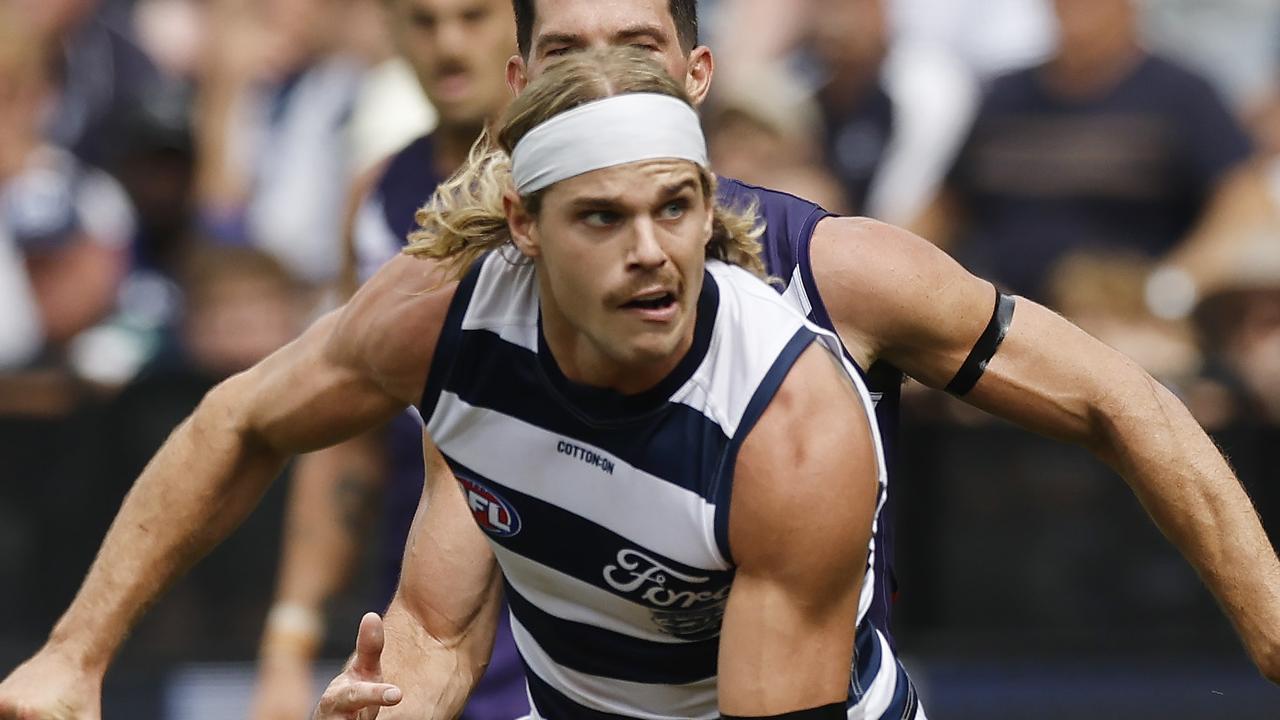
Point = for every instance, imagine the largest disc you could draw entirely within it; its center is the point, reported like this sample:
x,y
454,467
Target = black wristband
x,y
834,711
983,350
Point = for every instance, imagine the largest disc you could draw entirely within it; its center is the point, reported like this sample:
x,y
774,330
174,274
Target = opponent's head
x,y
608,193
457,49
547,30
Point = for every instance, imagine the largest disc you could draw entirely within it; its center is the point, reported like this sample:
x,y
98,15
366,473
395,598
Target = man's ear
x,y
522,224
517,74
697,81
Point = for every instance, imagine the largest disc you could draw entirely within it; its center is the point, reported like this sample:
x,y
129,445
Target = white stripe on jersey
x,y
568,598
638,700
505,300
795,294
625,502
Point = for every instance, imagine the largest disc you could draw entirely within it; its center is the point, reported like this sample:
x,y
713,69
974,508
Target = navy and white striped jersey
x,y
609,513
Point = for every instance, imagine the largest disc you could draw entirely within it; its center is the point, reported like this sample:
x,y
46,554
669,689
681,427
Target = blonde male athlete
x,y
896,302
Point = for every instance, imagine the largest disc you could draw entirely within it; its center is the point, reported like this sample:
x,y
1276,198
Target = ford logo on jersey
x,y
493,514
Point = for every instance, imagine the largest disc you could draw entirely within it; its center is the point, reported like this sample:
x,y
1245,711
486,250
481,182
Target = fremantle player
x,y
611,399
457,49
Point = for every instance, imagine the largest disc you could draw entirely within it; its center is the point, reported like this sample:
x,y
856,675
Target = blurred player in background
x,y
457,49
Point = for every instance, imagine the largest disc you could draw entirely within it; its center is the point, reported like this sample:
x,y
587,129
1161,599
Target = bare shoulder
x,y
390,328
812,448
893,295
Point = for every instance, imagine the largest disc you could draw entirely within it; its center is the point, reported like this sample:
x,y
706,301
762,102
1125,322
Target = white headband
x,y
613,131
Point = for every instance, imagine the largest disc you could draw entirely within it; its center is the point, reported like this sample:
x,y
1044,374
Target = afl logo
x,y
493,514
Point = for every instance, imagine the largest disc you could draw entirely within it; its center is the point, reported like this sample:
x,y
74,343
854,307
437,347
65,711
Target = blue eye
x,y
673,210
601,218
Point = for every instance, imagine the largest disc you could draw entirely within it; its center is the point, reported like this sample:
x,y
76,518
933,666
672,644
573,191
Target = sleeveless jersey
x,y
608,513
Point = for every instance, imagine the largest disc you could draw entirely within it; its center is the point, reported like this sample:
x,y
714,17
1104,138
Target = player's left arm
x,y
895,297
804,493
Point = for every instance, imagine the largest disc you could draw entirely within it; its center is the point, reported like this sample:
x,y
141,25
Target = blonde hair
x,y
464,218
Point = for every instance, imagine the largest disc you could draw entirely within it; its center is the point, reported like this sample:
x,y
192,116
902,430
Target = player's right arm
x,y
440,627
352,370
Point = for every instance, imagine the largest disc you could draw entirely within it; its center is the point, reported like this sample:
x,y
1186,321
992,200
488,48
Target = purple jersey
x,y
789,225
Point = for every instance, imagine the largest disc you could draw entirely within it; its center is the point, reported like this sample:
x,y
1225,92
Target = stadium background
x,y
1033,585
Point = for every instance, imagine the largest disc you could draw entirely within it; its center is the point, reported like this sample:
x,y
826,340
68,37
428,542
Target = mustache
x,y
670,281
450,66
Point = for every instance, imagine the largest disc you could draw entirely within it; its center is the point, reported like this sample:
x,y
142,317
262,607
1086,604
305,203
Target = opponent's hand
x,y
50,687
358,693
283,690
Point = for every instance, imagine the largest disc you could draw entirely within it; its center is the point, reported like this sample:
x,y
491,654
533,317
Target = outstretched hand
x,y
359,693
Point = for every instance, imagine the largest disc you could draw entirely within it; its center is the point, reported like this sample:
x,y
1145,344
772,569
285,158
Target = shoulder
x,y
390,328
891,293
812,448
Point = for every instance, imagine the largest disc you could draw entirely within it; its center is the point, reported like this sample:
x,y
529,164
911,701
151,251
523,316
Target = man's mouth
x,y
651,301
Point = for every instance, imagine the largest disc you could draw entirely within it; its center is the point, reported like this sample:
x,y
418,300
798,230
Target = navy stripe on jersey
x,y
866,661
592,650
679,445
904,703
446,353
553,705
571,544
764,393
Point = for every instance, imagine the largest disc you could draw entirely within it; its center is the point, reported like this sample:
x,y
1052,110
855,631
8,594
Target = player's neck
x,y
1093,74
581,359
452,144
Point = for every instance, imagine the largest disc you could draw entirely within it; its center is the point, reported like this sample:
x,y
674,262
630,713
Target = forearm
x,y
1190,491
198,488
436,672
331,505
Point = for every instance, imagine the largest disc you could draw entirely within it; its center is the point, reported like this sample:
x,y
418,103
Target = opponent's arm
x,y
804,495
332,500
1053,378
352,370
440,627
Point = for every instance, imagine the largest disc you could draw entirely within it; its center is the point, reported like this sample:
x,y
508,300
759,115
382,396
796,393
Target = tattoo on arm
x,y
357,501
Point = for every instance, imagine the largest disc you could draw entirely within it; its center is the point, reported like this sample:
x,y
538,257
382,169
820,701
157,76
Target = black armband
x,y
983,350
834,711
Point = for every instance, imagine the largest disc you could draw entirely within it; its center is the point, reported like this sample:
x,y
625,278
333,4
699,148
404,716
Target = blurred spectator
x,y
1239,321
1106,147
98,74
63,225
765,131
275,98
892,113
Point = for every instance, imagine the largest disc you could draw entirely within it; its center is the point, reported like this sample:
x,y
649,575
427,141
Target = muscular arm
x,y
804,494
1053,378
353,369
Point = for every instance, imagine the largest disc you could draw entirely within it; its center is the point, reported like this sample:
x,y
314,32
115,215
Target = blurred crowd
x,y
175,177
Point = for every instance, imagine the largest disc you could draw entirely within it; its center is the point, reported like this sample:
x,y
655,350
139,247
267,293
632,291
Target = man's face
x,y
564,26
1086,25
458,49
620,255
850,35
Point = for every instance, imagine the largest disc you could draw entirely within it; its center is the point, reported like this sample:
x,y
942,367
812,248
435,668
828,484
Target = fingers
x,y
356,696
369,641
